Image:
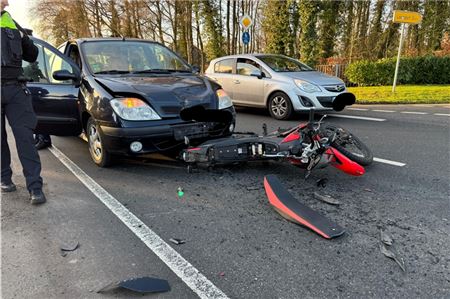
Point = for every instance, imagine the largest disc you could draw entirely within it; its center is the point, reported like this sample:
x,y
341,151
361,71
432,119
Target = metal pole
x,y
398,57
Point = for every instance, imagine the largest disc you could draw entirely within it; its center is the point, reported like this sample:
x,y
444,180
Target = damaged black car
x,y
129,97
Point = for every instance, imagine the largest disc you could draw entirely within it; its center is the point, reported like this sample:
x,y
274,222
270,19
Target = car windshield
x,y
284,64
122,57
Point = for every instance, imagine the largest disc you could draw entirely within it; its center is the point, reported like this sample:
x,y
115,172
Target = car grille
x,y
326,101
335,88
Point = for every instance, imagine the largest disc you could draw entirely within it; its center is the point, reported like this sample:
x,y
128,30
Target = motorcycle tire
x,y
348,144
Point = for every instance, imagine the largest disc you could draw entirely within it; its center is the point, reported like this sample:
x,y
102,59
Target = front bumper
x,y
321,101
161,138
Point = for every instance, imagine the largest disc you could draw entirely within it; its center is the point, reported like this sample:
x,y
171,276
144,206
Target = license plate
x,y
190,131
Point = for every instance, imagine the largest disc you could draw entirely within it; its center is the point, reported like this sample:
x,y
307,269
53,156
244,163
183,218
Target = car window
x,y
284,64
224,66
41,71
246,66
130,56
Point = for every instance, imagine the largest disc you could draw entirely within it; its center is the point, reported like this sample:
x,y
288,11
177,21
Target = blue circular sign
x,y
245,37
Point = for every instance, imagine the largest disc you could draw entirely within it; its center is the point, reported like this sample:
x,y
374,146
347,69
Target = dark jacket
x,y
16,46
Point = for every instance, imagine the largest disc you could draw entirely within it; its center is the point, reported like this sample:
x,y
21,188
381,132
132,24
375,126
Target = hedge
x,y
413,70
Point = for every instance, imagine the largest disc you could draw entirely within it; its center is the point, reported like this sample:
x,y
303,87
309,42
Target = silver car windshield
x,y
284,64
121,57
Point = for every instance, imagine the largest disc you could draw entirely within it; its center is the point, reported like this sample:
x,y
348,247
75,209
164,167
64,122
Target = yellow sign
x,y
246,22
409,17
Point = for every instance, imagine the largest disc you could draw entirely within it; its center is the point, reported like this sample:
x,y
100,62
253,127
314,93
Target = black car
x,y
129,96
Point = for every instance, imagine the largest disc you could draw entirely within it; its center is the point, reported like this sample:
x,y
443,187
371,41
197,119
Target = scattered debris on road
x,y
177,241
67,247
322,182
291,209
390,254
253,188
327,199
140,285
385,238
222,274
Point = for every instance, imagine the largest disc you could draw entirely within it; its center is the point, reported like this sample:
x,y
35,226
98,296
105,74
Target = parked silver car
x,y
280,83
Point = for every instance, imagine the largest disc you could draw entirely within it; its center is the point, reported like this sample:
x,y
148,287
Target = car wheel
x,y
99,154
280,106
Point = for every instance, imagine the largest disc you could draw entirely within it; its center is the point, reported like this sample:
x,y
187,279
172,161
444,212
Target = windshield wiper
x,y
112,72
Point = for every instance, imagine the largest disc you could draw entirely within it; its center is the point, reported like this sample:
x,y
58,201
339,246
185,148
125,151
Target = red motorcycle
x,y
308,145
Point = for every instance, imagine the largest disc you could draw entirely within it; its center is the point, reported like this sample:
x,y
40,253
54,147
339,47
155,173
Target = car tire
x,y
280,106
99,154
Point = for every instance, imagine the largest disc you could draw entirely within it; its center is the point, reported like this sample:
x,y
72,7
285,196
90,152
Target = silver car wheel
x,y
279,106
95,143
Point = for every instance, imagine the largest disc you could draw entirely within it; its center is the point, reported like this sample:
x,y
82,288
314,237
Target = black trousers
x,y
17,107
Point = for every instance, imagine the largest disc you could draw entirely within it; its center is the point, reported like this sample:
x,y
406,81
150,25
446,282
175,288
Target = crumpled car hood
x,y
166,94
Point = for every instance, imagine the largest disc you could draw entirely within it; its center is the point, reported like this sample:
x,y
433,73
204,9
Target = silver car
x,y
279,83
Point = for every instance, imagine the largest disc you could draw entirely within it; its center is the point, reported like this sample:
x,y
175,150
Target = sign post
x,y
403,17
246,21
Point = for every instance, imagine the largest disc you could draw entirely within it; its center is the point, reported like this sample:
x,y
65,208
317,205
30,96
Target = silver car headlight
x,y
306,86
133,109
224,99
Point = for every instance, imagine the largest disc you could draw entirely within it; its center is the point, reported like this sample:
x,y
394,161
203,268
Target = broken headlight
x,y
133,109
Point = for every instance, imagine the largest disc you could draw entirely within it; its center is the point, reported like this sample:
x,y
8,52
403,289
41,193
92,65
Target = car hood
x,y
166,94
315,77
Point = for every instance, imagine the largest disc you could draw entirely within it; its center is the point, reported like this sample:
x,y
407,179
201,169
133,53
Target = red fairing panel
x,y
343,163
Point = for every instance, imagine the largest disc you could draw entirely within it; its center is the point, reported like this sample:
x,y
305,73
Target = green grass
x,y
404,94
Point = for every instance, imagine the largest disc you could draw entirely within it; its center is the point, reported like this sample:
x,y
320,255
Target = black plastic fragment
x,y
70,246
322,182
139,285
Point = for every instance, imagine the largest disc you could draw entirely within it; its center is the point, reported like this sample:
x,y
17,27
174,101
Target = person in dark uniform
x,y
17,107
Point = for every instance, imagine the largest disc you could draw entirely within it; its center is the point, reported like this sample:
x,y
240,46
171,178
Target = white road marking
x,y
387,111
195,280
358,109
413,112
357,117
442,114
400,164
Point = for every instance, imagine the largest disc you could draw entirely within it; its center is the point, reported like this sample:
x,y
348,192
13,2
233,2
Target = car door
x,y
55,102
223,74
247,89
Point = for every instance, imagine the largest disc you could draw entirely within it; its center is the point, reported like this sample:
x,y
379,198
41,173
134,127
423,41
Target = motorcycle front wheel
x,y
348,144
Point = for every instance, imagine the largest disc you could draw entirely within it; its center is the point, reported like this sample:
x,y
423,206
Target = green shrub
x,y
413,70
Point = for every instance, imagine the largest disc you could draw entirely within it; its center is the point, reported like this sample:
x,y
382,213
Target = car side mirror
x,y
195,69
257,73
63,75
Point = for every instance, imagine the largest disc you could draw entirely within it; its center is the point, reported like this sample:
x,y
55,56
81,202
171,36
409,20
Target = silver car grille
x,y
335,88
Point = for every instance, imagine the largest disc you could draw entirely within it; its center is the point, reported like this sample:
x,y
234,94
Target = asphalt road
x,y
234,238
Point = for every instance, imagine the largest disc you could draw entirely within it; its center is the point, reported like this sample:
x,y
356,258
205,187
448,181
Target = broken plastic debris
x,y
65,248
327,199
251,188
222,273
180,192
390,254
322,182
177,241
140,285
385,238
70,247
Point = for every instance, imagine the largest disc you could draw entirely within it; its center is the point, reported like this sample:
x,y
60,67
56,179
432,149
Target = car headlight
x,y
224,99
306,86
133,109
